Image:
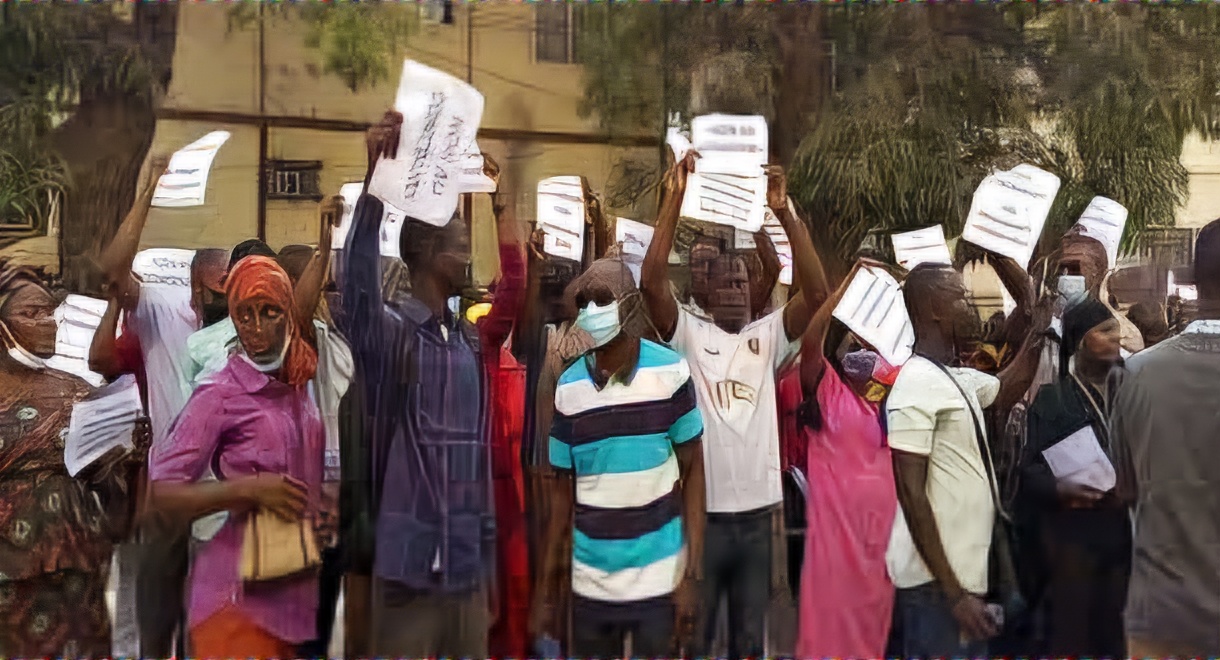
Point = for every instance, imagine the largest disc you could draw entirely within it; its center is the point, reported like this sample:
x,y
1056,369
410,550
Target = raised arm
x,y
806,264
654,274
765,276
530,339
308,290
105,355
115,261
506,306
813,342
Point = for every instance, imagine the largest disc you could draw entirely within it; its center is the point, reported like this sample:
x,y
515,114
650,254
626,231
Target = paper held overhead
x,y
633,239
441,116
728,185
391,231
472,178
561,215
1105,220
1009,211
873,307
350,192
169,267
922,246
78,318
185,180
105,420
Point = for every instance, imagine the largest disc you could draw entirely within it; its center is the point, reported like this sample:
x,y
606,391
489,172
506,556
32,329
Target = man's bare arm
x,y
654,277
313,280
116,259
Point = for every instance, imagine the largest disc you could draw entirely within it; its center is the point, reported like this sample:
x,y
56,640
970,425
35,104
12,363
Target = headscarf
x,y
1078,320
13,280
261,277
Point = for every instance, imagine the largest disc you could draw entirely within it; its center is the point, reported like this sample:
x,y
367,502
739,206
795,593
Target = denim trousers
x,y
737,557
928,627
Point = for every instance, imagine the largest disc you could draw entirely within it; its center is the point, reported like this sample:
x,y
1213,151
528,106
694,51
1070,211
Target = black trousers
x,y
736,566
161,587
599,637
1084,600
330,582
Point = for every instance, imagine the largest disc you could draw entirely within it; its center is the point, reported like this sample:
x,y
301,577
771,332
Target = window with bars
x,y
294,179
556,26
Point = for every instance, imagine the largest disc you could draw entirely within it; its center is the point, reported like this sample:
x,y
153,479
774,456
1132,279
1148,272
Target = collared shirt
x,y
1166,436
619,441
161,322
242,422
425,491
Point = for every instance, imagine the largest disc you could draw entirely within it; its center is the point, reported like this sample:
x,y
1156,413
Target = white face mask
x,y
1071,286
274,365
601,323
19,354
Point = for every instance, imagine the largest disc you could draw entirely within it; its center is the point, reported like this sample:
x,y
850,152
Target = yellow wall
x,y
216,70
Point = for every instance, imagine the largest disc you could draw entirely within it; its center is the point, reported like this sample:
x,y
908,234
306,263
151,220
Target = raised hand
x,y
381,140
777,187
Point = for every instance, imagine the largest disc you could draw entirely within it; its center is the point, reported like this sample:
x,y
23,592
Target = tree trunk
x,y
104,144
802,75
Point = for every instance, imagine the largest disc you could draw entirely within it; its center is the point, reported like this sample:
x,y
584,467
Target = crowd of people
x,y
593,460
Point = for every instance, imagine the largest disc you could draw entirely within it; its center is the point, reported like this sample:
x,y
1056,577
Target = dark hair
x,y
1207,259
419,242
294,259
922,285
250,248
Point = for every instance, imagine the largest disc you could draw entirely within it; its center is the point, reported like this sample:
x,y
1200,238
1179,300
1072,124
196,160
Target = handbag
x,y
1002,575
274,548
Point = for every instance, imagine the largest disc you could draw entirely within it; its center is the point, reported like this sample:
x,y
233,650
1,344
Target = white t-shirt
x,y
734,375
927,416
163,320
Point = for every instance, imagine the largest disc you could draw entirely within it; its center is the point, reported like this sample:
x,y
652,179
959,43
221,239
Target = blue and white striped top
x,y
628,543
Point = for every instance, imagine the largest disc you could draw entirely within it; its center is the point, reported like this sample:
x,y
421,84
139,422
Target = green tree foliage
x,y
899,111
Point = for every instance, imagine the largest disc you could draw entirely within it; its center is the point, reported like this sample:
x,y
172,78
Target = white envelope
x,y
728,185
103,421
561,215
1105,220
441,117
169,267
1079,459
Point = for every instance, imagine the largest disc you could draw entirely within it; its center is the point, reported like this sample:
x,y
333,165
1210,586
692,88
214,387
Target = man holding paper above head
x,y
421,523
733,358
1081,535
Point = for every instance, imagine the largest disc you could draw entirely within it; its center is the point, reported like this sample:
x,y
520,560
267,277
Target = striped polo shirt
x,y
628,543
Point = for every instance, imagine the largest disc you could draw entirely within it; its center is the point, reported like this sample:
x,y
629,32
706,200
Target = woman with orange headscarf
x,y
256,427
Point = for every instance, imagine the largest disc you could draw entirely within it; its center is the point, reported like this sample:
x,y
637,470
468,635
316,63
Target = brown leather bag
x,y
275,548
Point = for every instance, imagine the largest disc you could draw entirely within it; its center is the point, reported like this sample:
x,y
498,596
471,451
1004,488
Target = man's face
x,y
953,313
30,317
452,263
720,284
262,327
1078,259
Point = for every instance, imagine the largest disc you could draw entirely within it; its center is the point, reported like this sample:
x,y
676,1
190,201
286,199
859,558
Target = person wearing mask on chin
x,y
734,356
629,493
55,539
1083,533
255,424
940,550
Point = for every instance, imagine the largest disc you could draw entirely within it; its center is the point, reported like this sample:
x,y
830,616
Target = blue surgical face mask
x,y
601,323
1071,286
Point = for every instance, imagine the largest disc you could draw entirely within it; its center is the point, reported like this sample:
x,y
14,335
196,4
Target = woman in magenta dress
x,y
846,594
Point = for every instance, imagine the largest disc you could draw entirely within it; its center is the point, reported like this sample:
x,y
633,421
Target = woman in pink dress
x,y
846,594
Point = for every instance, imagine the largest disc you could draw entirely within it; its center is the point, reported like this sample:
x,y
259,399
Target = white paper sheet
x,y
1105,220
441,116
350,192
922,246
77,318
633,238
102,422
391,231
728,185
185,181
1009,210
561,214
1079,459
678,142
873,307
472,179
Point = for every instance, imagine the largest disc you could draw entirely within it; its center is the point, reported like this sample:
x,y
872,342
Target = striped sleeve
x,y
689,426
561,454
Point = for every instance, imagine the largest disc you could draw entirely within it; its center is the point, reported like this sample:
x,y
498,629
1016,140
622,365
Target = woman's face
x,y
30,317
262,328
1102,343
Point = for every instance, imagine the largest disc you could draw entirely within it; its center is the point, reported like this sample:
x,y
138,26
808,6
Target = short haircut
x,y
1207,259
250,248
922,287
208,268
294,259
420,242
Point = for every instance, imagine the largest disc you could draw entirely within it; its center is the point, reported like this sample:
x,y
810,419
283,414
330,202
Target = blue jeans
x,y
736,566
928,627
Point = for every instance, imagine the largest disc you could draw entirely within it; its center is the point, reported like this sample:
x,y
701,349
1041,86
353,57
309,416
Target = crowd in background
x,y
592,459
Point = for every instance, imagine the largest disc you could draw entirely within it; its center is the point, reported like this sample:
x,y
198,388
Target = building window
x,y
294,179
556,25
436,12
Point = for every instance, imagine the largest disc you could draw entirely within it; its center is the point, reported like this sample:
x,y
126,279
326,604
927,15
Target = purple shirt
x,y
241,422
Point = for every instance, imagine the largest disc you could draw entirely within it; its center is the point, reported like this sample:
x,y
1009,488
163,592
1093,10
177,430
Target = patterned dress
x,y
54,550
